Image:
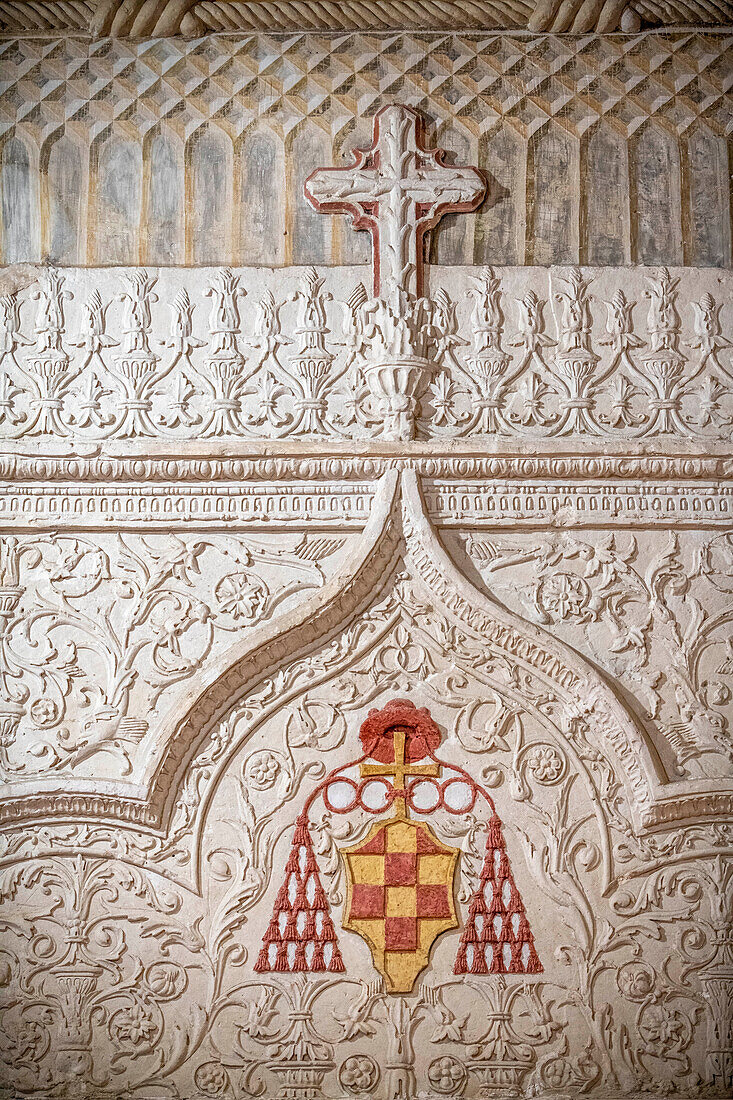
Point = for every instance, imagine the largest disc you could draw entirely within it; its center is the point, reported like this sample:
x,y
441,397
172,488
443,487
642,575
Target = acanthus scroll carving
x,y
139,929
365,661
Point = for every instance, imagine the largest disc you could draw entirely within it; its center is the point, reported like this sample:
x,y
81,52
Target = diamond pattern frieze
x,y
478,80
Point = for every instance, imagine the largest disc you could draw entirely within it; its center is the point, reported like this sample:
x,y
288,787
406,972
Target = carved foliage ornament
x,y
398,189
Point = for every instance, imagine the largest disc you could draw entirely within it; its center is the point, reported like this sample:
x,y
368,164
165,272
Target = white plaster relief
x,y
529,354
653,611
211,572
139,976
96,631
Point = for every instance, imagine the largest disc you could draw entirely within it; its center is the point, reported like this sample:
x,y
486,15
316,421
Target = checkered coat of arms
x,y
401,876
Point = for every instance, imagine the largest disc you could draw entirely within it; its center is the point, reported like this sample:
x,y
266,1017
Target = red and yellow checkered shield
x,y
400,896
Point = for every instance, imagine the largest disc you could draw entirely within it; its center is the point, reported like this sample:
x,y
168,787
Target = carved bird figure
x,y
106,731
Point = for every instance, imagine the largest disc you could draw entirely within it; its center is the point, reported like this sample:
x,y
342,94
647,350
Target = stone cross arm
x,y
397,189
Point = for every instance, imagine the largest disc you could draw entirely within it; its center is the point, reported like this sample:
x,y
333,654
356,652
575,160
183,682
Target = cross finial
x,y
397,189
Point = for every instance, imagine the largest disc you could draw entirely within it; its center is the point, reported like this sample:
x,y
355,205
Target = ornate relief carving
x,y
627,108
635,921
193,17
95,633
222,492
361,368
637,607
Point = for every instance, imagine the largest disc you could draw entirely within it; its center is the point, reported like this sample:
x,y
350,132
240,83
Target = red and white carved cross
x,y
398,190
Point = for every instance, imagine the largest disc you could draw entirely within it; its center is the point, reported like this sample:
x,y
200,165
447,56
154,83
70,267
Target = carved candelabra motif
x,y
307,359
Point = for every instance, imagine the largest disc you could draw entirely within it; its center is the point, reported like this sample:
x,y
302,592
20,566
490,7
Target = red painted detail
x,y
300,935
364,215
377,736
400,869
400,934
375,846
367,901
497,938
425,846
433,901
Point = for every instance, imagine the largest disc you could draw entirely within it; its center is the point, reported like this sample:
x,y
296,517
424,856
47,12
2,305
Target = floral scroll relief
x,y
591,353
643,612
95,632
633,927
253,1033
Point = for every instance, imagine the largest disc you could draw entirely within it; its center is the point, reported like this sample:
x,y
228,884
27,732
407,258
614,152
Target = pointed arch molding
x,y
398,532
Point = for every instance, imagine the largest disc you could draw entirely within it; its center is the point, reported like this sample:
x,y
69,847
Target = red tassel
x,y
497,906
263,961
534,966
488,932
478,966
300,962
469,935
310,862
336,965
301,898
497,963
515,902
506,935
516,966
478,905
291,928
328,934
272,935
292,867
461,964
281,962
523,934
282,901
496,872
488,871
495,837
320,901
301,925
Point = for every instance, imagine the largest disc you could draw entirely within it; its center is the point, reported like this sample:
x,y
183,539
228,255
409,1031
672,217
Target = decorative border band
x,y
335,466
457,503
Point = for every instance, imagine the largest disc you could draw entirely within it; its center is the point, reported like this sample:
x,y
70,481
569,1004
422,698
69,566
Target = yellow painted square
x,y
401,901
429,930
367,869
434,870
372,930
402,967
401,837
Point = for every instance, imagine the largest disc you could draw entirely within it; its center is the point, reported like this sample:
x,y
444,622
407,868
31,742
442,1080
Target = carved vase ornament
x,y
398,190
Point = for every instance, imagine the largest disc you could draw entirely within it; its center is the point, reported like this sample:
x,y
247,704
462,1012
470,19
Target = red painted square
x,y
425,845
375,846
433,901
400,934
400,869
366,901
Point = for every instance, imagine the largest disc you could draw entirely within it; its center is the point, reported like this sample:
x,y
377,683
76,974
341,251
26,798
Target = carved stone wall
x,y
243,506
600,149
